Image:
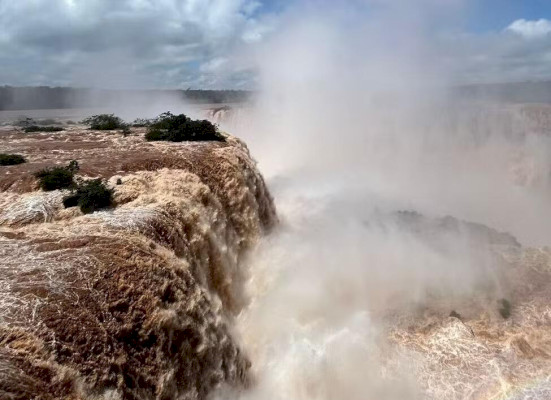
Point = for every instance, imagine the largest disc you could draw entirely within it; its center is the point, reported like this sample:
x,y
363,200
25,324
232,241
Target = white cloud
x,y
148,43
531,29
256,30
214,65
212,43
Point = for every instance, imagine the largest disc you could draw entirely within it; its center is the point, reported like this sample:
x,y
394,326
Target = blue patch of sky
x,y
496,15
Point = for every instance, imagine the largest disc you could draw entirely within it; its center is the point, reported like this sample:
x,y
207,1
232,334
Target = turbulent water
x,y
357,296
393,307
404,267
134,302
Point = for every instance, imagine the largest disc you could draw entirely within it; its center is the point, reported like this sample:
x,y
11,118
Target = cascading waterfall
x,y
134,302
356,296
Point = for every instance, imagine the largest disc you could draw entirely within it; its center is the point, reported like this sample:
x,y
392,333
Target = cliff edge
x,y
132,302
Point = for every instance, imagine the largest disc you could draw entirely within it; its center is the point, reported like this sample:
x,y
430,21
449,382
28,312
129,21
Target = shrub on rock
x,y
36,128
180,128
57,177
104,122
11,159
90,196
505,308
141,123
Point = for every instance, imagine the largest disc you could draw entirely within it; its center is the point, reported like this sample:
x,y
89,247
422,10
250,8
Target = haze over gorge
x,y
365,216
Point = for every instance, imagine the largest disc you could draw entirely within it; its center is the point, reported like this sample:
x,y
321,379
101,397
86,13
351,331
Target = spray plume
x,y
368,154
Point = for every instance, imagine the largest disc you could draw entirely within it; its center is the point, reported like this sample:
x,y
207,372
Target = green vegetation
x,y
25,122
141,123
179,128
36,128
90,196
455,314
105,122
11,159
57,177
505,309
70,201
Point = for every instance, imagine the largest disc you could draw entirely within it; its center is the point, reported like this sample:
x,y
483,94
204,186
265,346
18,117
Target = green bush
x,y
153,135
36,128
11,159
455,314
179,128
25,122
104,122
70,201
505,309
57,177
90,196
141,123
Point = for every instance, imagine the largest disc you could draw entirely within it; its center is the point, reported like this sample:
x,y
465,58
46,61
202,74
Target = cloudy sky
x,y
216,43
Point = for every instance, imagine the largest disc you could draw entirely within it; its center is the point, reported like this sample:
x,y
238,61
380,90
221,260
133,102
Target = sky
x,y
214,44
494,15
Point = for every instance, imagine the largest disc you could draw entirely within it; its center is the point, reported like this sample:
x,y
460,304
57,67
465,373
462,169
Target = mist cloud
x,y
350,126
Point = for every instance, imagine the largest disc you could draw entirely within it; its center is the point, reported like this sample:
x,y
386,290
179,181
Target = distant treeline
x,y
519,92
44,97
